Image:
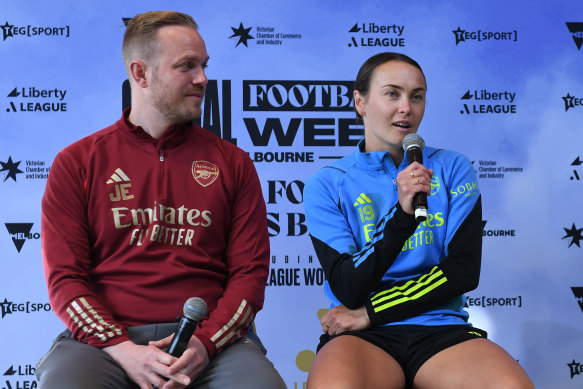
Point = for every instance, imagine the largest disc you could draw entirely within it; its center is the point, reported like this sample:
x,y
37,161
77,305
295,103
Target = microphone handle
x,y
420,199
181,337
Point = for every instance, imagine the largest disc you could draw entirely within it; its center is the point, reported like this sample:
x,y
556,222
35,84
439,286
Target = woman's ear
x,y
359,102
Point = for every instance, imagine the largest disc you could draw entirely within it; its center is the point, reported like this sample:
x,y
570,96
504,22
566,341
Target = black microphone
x,y
194,311
413,145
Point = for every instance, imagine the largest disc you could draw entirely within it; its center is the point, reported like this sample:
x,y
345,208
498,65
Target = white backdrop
x,y
505,88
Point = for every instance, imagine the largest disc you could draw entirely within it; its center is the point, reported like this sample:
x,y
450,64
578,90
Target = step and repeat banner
x,y
505,87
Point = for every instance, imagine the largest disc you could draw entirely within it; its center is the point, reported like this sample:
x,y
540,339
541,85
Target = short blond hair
x,y
139,40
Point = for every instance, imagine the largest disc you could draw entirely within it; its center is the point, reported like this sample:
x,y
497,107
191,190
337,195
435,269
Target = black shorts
x,y
412,345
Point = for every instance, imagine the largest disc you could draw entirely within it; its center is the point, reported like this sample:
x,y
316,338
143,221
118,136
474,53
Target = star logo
x,y
6,307
11,167
242,33
569,102
7,30
575,234
575,368
459,35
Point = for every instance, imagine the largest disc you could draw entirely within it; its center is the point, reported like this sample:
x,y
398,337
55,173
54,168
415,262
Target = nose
x,y
199,77
404,105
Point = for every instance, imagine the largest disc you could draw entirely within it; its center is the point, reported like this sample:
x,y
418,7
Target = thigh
x,y
351,362
476,364
71,364
242,365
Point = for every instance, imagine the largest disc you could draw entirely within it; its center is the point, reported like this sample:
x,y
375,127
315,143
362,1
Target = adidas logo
x,y
362,199
118,176
121,189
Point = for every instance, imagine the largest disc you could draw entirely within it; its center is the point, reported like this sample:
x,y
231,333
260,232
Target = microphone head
x,y
413,140
195,308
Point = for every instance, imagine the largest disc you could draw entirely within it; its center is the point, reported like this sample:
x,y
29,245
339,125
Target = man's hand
x,y
190,364
340,319
147,365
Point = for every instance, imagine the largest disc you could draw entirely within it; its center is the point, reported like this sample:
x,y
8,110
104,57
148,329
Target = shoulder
x,y
334,171
447,158
444,155
329,177
209,139
229,158
451,167
85,147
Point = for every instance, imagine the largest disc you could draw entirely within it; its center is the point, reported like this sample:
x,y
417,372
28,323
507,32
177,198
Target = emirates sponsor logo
x,y
205,173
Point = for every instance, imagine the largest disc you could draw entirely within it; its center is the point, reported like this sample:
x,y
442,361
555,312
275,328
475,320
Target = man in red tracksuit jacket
x,y
146,213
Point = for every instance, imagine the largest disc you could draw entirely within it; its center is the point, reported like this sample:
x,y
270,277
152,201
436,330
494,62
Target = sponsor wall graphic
x,y
280,87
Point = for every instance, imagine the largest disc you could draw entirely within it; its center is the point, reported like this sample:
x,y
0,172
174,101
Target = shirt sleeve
x,y
65,242
459,270
247,256
352,278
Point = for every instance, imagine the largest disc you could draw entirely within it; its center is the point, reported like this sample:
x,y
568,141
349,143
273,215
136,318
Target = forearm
x,y
458,273
247,260
352,277
67,260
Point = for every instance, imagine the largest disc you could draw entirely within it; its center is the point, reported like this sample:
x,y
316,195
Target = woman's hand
x,y
414,179
340,319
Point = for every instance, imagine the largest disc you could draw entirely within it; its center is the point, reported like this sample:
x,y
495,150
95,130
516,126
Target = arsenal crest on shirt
x,y
205,173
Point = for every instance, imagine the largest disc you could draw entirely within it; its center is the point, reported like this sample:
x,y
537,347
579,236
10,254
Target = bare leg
x,y
476,364
348,362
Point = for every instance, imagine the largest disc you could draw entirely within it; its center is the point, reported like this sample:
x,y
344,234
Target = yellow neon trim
x,y
421,293
406,285
410,290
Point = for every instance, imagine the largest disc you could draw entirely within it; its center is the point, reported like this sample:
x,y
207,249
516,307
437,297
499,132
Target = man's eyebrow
x,y
194,58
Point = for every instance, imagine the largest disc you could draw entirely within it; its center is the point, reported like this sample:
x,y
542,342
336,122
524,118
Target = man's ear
x,y
138,73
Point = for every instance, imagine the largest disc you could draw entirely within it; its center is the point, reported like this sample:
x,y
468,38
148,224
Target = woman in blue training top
x,y
396,285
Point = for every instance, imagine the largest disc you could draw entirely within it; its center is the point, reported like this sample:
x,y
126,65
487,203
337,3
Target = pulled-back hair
x,y
364,76
139,40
